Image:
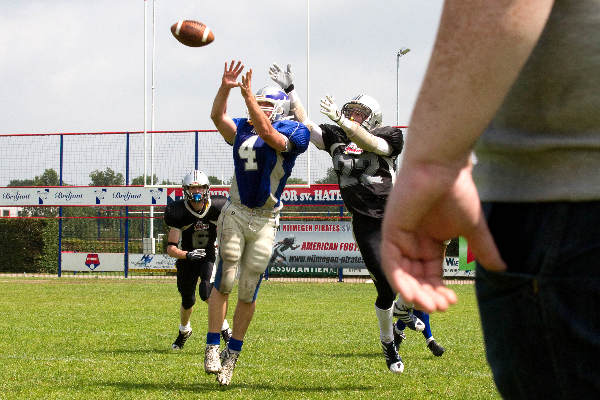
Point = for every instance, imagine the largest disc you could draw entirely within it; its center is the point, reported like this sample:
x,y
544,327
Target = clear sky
x,y
78,66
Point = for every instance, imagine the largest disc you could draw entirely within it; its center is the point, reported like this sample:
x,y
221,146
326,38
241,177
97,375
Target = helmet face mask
x,y
367,107
279,102
195,179
356,112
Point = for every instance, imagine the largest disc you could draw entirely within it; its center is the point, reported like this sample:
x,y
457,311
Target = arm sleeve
x,y
365,139
332,134
298,134
393,137
316,135
170,218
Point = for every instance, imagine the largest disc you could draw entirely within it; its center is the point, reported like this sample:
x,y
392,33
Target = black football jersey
x,y
365,178
198,231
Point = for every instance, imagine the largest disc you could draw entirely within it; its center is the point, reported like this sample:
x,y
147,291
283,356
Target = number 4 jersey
x,y
260,171
365,178
198,230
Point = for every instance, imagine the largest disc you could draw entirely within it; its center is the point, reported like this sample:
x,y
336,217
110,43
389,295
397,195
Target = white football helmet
x,y
280,101
366,105
194,179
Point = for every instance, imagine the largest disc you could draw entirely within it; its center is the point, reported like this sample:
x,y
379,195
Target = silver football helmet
x,y
195,178
367,106
280,102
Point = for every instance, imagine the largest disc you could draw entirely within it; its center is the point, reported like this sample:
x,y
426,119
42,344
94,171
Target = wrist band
x,y
289,88
172,244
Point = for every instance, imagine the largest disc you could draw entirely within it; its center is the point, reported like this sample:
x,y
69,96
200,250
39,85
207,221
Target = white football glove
x,y
284,79
329,108
196,254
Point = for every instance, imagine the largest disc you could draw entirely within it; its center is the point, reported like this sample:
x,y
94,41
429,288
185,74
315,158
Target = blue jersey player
x,y
265,148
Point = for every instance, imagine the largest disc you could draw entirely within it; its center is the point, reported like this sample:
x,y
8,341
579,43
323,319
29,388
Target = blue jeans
x,y
541,318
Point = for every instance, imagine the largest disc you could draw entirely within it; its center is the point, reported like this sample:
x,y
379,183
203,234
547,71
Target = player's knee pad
x,y
257,256
225,276
188,301
204,289
230,253
248,284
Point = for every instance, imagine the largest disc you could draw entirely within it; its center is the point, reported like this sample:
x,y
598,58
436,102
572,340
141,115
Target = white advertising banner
x,y
83,196
451,269
316,248
97,262
319,248
151,261
104,262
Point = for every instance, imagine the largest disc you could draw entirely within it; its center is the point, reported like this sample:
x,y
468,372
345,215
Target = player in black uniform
x,y
192,221
364,158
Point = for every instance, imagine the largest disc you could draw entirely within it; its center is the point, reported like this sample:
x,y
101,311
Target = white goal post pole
x,y
145,89
400,53
152,128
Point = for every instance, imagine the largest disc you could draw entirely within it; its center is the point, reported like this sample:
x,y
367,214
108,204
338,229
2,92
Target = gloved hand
x,y
285,79
329,108
195,255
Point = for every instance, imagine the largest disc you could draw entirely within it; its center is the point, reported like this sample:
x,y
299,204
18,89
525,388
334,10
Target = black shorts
x,y
188,274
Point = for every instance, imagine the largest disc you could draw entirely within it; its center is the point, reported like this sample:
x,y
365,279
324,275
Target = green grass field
x,y
67,338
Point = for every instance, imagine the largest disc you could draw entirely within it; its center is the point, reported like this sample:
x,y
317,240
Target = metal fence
x,y
167,155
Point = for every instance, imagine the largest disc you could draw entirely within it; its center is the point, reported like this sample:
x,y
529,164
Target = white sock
x,y
185,328
429,340
225,325
386,324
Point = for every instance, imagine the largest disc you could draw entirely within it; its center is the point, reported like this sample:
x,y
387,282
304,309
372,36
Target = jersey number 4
x,y
248,154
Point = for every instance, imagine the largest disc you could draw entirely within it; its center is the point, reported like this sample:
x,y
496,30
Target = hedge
x,y
29,245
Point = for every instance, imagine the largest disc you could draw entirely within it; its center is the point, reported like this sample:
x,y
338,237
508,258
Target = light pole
x,y
401,52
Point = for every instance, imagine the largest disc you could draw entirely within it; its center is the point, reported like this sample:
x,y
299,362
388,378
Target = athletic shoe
x,y
399,336
181,338
406,315
212,362
226,335
228,360
435,348
392,358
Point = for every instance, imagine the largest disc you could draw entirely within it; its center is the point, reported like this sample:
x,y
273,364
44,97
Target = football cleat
x,y
226,335
399,336
436,349
406,315
392,358
181,339
212,361
228,360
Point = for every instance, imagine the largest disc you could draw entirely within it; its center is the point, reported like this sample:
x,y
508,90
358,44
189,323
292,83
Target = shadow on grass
x,y
375,355
351,355
212,386
159,350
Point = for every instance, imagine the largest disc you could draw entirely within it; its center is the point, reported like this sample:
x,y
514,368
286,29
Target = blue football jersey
x,y
260,171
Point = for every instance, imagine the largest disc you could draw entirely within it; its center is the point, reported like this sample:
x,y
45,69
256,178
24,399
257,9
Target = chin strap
x,y
296,106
